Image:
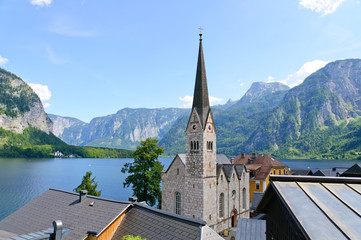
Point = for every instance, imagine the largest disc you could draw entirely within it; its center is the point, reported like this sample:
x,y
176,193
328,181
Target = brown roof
x,y
265,161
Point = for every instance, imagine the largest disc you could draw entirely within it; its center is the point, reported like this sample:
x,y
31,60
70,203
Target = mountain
x,y
320,108
125,129
20,107
68,129
320,118
26,130
232,119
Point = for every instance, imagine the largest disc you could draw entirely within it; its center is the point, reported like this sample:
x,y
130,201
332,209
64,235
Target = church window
x,y
209,146
244,198
221,177
233,175
191,145
193,185
178,201
234,194
197,144
210,185
177,171
210,217
221,205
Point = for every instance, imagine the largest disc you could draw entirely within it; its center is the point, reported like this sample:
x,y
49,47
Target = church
x,y
202,184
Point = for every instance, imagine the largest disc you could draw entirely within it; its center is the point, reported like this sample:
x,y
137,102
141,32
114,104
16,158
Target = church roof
x,y
200,96
228,169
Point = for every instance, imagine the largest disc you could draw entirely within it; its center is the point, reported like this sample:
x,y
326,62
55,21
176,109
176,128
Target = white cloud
x,y
307,69
46,105
66,26
53,58
3,60
241,84
42,91
41,3
270,79
188,100
323,6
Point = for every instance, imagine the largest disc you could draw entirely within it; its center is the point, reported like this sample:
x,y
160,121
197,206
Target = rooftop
x,y
324,207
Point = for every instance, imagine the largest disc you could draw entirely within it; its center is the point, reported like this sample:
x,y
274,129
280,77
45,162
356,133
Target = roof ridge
x,y
90,196
170,214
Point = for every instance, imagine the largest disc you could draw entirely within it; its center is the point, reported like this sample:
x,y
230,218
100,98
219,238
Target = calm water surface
x,y
21,180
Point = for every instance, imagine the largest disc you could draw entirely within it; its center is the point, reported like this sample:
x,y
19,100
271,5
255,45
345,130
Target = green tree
x,y
88,183
145,172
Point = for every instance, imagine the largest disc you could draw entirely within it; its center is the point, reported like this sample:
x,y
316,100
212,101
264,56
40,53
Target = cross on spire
x,y
200,32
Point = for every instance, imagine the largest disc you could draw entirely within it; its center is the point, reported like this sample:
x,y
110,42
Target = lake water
x,y
21,180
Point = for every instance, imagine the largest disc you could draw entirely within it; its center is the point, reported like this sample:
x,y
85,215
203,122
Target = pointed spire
x,y
200,96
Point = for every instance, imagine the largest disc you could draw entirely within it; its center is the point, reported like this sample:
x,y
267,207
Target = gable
x,y
179,160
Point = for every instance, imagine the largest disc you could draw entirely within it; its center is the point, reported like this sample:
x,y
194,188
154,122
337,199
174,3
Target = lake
x,y
21,180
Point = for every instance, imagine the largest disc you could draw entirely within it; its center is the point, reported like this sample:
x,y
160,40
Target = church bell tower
x,y
200,176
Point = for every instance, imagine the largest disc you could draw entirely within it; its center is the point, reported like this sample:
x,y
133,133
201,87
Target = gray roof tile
x,y
60,205
154,224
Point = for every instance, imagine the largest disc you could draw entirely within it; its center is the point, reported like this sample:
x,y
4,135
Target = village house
x,y
260,168
202,184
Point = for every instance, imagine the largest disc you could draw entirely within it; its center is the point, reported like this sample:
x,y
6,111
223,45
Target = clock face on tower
x,y
194,127
209,127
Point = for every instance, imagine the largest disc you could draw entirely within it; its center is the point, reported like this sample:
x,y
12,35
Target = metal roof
x,y
251,229
326,208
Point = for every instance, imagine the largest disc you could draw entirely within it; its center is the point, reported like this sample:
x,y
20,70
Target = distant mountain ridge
x,y
124,129
320,118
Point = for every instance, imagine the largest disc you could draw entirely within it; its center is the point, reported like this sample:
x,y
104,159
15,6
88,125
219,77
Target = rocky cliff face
x,y
329,95
20,107
125,129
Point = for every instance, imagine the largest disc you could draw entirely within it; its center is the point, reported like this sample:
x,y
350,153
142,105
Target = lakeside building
x,y
309,207
200,183
261,167
84,217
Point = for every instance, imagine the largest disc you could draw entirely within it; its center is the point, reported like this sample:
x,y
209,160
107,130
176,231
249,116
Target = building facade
x,y
201,183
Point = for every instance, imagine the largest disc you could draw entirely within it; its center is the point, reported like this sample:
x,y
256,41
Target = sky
x,y
91,58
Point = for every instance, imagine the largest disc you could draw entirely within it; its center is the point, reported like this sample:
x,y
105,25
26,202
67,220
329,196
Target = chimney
x,y
133,199
242,155
58,230
254,156
82,195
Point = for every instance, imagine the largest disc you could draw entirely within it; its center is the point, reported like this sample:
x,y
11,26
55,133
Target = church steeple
x,y
200,96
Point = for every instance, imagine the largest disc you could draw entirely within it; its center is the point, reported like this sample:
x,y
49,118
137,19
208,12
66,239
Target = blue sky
x,y
90,58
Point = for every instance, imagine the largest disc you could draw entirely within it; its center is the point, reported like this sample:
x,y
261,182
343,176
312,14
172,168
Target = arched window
x,y
244,198
221,205
191,145
178,202
197,144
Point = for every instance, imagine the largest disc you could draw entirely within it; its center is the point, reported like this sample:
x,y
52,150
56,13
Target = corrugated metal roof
x,y
326,208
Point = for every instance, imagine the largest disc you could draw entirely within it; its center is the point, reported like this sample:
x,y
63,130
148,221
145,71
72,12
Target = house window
x,y
221,205
279,171
257,185
244,198
284,171
178,202
274,171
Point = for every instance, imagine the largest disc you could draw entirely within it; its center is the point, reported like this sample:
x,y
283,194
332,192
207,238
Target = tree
x,y
88,184
145,172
